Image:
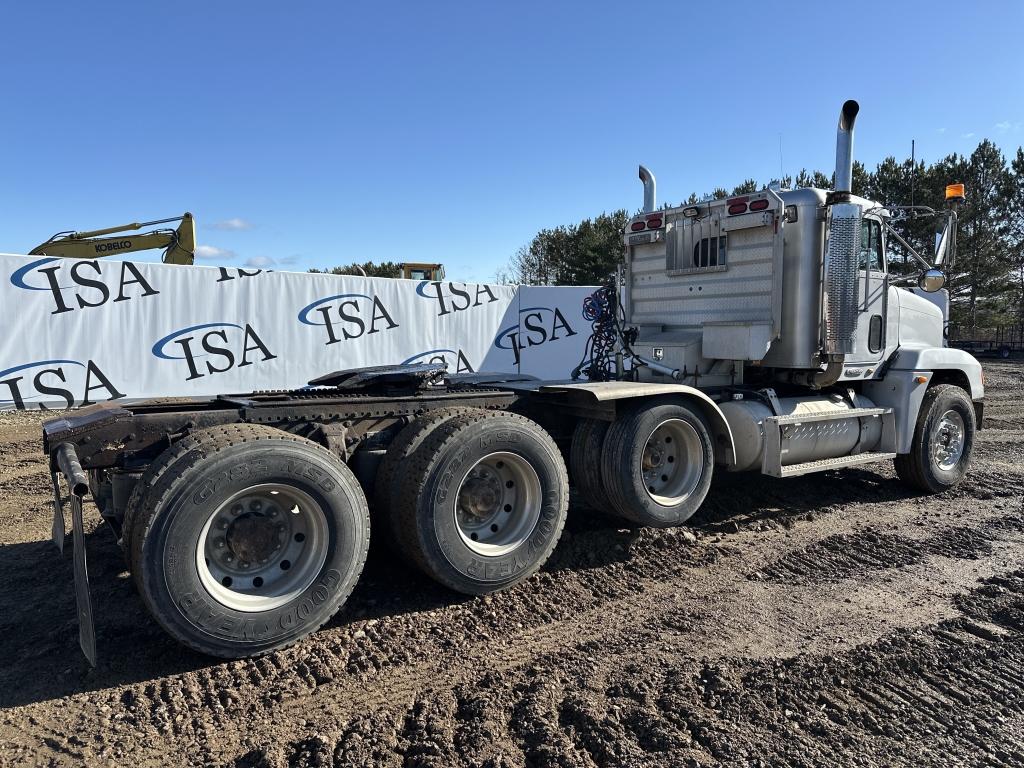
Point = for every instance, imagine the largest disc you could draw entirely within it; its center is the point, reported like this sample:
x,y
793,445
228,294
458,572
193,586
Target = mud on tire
x,y
224,481
483,501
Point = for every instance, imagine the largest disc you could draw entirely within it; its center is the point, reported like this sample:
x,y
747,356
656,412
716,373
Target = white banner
x,y
80,332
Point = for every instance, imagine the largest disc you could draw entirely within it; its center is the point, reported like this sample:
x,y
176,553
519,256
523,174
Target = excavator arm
x,y
179,244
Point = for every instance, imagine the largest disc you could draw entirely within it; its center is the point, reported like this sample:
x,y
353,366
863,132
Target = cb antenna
x,y
913,171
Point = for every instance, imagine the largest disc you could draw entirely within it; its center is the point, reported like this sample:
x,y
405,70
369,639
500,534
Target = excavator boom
x,y
179,244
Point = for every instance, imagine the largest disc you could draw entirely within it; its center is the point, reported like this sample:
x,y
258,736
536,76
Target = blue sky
x,y
315,134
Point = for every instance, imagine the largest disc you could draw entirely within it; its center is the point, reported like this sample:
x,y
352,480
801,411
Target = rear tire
x,y
585,463
246,538
657,462
940,453
483,501
388,480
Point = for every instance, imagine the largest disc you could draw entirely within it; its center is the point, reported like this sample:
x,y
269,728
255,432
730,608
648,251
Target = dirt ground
x,y
834,619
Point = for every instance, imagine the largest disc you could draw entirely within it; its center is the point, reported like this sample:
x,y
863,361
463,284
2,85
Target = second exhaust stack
x,y
650,190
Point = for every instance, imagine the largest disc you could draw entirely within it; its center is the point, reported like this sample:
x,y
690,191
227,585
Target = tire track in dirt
x,y
393,683
167,710
844,555
914,697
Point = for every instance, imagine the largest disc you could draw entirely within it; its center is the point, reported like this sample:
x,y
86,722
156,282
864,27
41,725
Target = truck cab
x,y
779,303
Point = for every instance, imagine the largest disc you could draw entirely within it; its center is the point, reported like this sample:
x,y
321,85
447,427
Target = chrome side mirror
x,y
931,280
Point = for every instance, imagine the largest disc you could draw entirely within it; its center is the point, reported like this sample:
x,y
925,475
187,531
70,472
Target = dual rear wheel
x,y
243,539
652,466
481,501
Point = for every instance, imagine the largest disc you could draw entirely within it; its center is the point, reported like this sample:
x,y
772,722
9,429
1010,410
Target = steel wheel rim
x,y
672,462
498,503
262,548
948,440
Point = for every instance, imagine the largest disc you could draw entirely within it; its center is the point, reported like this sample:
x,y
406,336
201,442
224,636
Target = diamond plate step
x,y
837,463
805,418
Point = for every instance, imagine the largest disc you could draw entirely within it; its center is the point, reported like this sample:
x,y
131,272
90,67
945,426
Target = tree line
x,y
986,282
366,269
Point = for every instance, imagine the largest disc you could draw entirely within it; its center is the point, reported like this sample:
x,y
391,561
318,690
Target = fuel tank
x,y
804,442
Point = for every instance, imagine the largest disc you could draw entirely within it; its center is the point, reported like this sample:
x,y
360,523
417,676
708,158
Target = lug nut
x,y
219,543
222,524
229,558
243,564
255,505
236,509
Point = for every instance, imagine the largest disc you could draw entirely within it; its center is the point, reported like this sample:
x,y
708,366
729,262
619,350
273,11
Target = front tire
x,y
943,441
244,539
657,463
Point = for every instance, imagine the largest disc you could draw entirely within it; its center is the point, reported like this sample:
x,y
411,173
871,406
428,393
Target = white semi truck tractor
x,y
758,333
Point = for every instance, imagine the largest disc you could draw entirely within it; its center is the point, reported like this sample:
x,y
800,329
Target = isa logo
x,y
454,360
237,273
212,348
536,326
452,298
347,316
65,381
76,285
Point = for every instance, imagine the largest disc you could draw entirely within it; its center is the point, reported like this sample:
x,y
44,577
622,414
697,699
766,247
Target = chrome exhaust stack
x,y
844,147
841,255
650,189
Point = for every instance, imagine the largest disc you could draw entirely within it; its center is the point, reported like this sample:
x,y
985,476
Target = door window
x,y
871,246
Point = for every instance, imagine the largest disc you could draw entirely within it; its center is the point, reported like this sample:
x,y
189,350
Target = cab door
x,y
872,291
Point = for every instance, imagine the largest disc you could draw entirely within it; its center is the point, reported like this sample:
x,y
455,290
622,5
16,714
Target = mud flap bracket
x,y
78,486
57,530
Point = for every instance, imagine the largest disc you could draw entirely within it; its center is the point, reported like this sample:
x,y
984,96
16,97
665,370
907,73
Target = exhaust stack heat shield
x,y
841,278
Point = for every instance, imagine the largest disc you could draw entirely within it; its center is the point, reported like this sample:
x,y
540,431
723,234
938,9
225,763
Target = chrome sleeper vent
x,y
841,278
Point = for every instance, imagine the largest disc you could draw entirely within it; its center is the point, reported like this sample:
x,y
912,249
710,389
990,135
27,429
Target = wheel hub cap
x,y
948,440
498,504
672,462
481,494
252,538
262,547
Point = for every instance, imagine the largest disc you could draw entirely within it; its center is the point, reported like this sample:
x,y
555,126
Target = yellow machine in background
x,y
416,271
179,244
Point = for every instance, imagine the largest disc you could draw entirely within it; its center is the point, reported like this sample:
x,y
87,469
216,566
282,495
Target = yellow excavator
x,y
421,271
179,244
